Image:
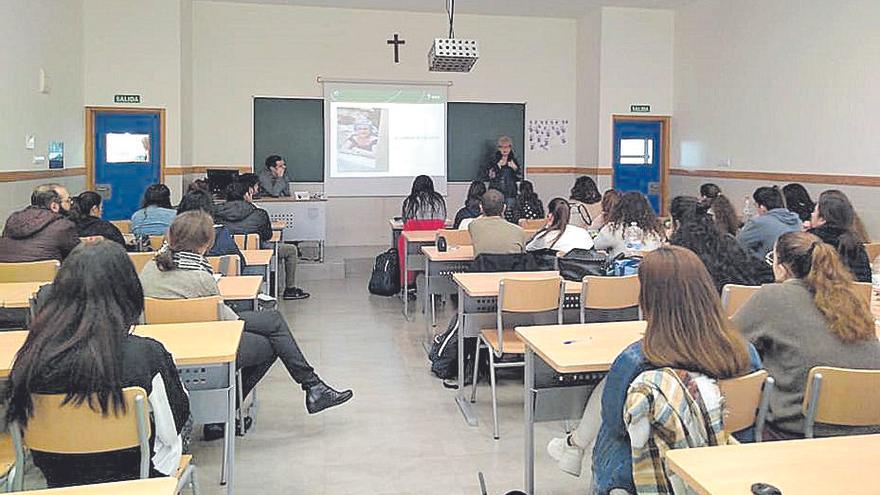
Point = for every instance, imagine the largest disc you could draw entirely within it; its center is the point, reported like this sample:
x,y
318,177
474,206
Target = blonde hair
x,y
190,231
505,140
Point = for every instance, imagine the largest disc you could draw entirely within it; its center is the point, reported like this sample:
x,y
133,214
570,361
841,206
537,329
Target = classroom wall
x,y
589,56
38,34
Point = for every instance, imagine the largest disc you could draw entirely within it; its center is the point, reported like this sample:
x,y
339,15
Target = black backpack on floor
x,y
385,280
444,354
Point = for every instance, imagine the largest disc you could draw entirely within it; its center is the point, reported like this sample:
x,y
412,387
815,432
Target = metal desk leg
x,y
463,403
529,401
405,280
228,468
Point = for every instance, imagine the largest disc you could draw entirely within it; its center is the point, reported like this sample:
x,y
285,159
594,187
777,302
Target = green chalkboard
x,y
472,132
294,129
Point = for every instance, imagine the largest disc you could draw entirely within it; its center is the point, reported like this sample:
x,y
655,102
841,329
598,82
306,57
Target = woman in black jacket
x,y
86,214
504,171
472,203
832,222
80,344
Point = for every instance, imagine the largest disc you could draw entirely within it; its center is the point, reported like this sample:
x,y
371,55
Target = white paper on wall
x,y
546,133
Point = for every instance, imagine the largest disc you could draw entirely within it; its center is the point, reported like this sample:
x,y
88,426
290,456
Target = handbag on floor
x,y
385,279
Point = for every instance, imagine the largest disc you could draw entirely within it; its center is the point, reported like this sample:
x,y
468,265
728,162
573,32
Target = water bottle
x,y
875,297
632,239
748,209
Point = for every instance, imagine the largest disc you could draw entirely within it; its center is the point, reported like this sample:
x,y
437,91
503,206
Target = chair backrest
x,y
873,249
158,311
747,399
864,289
536,295
139,260
609,293
841,396
733,297
532,223
31,271
247,241
124,226
227,265
456,237
156,242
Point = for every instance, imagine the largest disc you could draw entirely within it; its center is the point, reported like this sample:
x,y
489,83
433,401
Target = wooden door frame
x,y
91,111
665,128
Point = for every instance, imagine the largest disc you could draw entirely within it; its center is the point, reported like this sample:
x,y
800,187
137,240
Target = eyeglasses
x,y
769,258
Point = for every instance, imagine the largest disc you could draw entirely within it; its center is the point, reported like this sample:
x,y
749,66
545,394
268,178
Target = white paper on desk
x,y
217,276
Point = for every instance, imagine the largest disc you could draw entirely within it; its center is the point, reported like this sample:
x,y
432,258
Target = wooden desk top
x,y
152,486
10,343
581,348
17,294
257,257
454,253
815,466
279,225
240,288
486,284
420,235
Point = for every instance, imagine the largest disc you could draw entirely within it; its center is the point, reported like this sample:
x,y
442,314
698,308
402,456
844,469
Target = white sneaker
x,y
569,459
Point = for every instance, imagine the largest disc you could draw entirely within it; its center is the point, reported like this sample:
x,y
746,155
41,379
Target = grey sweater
x,y
790,333
181,284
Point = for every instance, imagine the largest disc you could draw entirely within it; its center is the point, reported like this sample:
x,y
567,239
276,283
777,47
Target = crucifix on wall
x,y
396,42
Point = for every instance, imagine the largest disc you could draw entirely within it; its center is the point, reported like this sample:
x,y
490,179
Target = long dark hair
x,y
81,206
634,207
87,316
798,200
475,195
837,211
561,211
610,198
527,196
585,190
725,215
423,198
196,199
157,195
190,232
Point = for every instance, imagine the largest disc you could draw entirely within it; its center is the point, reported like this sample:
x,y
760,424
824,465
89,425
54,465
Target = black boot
x,y
320,396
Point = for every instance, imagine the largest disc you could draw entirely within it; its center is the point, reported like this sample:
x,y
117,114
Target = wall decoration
x,y
546,133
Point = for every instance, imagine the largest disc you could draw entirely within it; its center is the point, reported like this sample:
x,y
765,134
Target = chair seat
x,y
512,342
185,461
7,454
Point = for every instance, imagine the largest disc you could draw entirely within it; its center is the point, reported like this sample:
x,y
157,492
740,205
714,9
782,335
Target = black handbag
x,y
578,263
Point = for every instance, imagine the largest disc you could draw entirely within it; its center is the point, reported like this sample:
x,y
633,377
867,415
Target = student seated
x,y
632,208
491,233
812,317
180,271
832,221
708,192
274,179
38,232
558,234
241,216
71,349
681,306
156,213
528,204
586,204
798,200
726,261
198,199
86,213
471,207
725,216
423,203
759,234
610,198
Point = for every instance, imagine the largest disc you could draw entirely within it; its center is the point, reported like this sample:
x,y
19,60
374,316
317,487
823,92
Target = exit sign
x,y
126,98
640,108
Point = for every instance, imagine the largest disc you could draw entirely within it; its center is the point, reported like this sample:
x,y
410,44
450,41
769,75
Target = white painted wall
x,y
786,85
589,55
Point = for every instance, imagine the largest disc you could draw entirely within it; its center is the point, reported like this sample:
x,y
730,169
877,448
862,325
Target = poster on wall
x,y
56,154
547,133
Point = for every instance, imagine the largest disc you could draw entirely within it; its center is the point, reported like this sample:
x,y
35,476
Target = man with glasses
x,y
40,231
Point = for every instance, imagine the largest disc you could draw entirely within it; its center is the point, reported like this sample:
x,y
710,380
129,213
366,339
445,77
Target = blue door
x,y
128,158
637,164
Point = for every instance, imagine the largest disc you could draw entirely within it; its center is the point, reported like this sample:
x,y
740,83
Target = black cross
x,y
396,42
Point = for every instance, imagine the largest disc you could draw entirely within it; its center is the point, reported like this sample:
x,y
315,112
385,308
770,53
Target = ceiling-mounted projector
x,y
453,55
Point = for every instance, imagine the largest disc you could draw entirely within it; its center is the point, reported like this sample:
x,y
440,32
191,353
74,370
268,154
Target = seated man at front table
x,y
491,233
274,179
241,216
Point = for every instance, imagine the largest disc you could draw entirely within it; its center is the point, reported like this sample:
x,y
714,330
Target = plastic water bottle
x,y
748,209
632,239
875,281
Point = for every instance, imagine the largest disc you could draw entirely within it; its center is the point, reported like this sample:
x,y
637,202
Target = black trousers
x,y
266,338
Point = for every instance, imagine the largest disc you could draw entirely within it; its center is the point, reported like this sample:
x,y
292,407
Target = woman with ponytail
x,y
833,222
558,234
813,316
86,213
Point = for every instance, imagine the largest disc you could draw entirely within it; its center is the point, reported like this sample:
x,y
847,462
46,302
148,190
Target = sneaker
x,y
294,293
569,458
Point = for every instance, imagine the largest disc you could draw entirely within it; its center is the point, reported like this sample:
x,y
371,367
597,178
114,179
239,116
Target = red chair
x,y
410,225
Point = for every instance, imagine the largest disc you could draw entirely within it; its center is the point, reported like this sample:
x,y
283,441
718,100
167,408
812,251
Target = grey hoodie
x,y
760,233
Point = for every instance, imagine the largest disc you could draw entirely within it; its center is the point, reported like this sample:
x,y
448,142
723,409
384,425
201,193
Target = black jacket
x,y
37,234
465,213
856,259
241,217
91,226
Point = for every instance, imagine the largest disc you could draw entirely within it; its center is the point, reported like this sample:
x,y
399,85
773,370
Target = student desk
x,y
263,257
814,466
18,294
397,229
414,240
582,352
477,301
439,267
150,486
243,288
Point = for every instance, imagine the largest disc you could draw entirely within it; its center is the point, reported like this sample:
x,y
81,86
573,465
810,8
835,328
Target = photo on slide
x,y
361,139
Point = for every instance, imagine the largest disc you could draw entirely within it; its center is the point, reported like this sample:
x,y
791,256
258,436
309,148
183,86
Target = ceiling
x,y
541,8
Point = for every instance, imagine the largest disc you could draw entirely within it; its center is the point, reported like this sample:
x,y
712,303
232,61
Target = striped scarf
x,y
184,260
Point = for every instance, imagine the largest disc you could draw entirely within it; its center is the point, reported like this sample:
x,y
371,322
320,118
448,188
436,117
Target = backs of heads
x,y
422,185
493,203
683,207
709,190
199,185
196,200
272,161
609,200
585,190
237,191
561,211
45,197
835,208
527,190
681,305
249,179
475,195
798,200
769,197
81,206
806,257
157,195
725,215
192,231
634,207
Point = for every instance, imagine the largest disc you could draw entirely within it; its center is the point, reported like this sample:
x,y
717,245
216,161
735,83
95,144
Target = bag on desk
x,y
578,263
385,280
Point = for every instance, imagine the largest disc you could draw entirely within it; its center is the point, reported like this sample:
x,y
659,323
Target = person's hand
x,y
512,164
278,171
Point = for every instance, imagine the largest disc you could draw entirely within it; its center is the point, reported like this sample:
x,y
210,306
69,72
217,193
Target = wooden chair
x,y
873,249
60,428
247,241
7,463
532,224
156,242
733,297
747,400
227,265
124,226
841,396
157,311
456,237
609,297
139,260
31,271
538,295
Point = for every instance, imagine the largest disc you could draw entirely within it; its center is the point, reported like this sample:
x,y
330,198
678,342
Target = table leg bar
x,y
529,410
228,468
463,403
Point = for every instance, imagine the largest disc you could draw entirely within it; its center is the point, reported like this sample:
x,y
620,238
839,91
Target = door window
x,y
127,147
636,151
